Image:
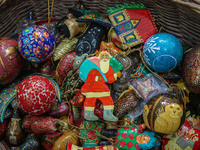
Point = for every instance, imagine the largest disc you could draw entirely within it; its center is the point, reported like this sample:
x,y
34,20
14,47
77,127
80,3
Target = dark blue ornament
x,y
36,44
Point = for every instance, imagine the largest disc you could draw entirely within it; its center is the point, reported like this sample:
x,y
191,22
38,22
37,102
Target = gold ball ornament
x,y
164,113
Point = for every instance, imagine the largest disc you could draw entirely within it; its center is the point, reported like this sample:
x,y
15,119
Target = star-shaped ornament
x,y
145,87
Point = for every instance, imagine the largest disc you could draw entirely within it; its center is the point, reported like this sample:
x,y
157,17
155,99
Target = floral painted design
x,y
27,31
46,47
26,52
26,41
36,44
46,34
36,35
36,51
33,59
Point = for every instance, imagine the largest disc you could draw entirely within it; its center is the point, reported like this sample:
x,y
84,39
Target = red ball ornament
x,y
36,95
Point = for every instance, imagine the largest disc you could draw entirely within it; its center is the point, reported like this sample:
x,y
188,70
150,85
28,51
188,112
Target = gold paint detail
x,y
4,67
152,112
10,50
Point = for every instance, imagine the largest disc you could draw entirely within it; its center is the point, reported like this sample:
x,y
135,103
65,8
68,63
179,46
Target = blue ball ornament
x,y
162,52
36,44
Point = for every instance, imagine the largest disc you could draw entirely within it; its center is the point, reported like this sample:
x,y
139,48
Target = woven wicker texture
x,y
178,17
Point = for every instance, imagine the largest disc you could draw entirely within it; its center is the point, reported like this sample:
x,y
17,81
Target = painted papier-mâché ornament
x,y
90,41
132,138
162,52
31,143
186,138
7,95
96,72
37,94
14,133
36,44
89,131
71,146
164,113
191,70
11,62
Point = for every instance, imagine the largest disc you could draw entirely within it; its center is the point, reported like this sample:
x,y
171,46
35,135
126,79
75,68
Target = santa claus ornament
x,y
36,94
96,72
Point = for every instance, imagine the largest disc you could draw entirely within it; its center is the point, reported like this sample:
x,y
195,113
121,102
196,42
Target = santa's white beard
x,y
104,65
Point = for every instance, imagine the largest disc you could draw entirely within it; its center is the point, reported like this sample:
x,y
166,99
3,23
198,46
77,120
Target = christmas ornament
x,y
36,44
132,23
89,131
89,16
90,41
31,143
11,62
95,72
191,71
164,113
187,137
127,101
71,146
69,136
66,46
7,95
40,124
132,139
36,95
64,66
73,27
162,52
14,133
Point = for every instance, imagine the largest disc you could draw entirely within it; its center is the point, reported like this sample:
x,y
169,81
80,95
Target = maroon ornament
x,y
11,62
191,70
36,95
40,124
64,66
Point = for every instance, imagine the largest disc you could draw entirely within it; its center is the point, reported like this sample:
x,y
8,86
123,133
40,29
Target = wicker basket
x,y
178,17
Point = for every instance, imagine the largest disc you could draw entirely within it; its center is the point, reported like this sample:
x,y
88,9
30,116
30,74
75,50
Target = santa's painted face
x,y
104,61
143,139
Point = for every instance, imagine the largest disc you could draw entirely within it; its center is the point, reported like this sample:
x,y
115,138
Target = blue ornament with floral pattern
x,y
162,52
36,44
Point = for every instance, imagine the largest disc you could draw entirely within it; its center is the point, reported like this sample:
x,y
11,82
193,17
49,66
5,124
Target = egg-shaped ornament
x,y
164,113
11,62
36,95
191,70
36,44
162,52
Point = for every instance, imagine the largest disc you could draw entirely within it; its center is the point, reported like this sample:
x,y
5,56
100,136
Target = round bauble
x,y
11,62
36,95
36,44
191,70
162,52
164,113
